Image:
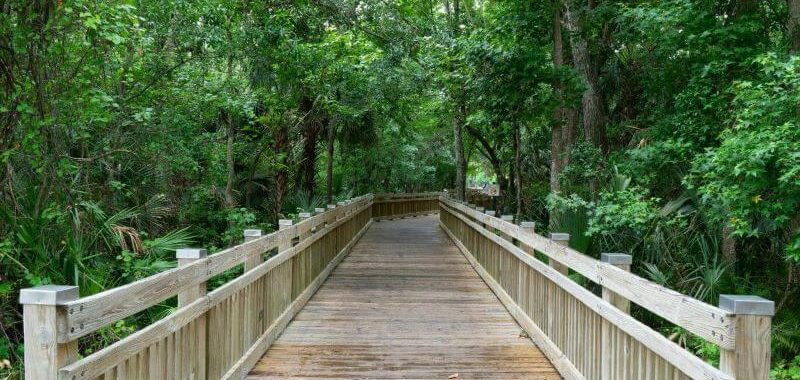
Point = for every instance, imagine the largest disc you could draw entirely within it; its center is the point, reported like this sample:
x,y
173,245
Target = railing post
x,y
252,261
185,257
509,219
251,314
622,261
490,213
555,297
530,228
563,240
750,359
282,225
303,216
318,211
43,313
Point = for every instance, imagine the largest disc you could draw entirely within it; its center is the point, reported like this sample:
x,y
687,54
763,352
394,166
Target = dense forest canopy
x,y
665,129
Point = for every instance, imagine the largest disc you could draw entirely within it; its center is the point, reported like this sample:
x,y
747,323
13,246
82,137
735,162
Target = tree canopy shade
x,y
664,129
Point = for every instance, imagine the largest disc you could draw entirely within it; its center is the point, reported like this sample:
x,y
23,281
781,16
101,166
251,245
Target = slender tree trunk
x,y
793,26
282,174
728,245
329,164
308,162
565,118
518,170
230,201
461,162
592,103
557,143
459,116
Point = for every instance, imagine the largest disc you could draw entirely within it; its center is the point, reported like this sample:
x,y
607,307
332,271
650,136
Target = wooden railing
x,y
215,335
592,337
222,333
389,206
211,335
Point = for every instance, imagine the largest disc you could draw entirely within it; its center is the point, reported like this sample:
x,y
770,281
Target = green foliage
x,y
786,370
752,180
115,120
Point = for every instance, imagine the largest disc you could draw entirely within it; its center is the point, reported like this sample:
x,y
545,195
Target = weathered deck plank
x,y
404,305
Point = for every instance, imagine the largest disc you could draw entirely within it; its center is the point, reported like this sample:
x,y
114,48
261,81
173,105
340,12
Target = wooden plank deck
x,y
404,305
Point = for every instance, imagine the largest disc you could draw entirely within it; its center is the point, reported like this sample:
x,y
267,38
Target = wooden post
x,y
509,219
608,350
252,261
560,239
251,314
303,216
43,313
318,211
622,261
490,213
282,225
185,257
750,359
528,228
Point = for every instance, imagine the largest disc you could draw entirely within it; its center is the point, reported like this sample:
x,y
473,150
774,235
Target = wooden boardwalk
x,y
405,304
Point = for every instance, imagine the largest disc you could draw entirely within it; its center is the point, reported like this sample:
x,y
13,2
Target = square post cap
x,y
559,236
319,210
304,215
746,305
50,295
191,253
507,218
253,233
616,258
528,225
285,222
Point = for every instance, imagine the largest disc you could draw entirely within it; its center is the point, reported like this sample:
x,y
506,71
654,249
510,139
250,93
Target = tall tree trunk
x,y
308,161
565,118
518,170
282,174
729,246
592,103
461,162
230,201
329,163
793,26
557,147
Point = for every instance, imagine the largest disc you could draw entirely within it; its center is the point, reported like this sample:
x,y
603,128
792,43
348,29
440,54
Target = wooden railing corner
x,y
44,319
750,358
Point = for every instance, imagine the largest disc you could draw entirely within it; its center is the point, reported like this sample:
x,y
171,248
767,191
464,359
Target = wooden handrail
x,y
488,243
293,274
708,322
227,329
